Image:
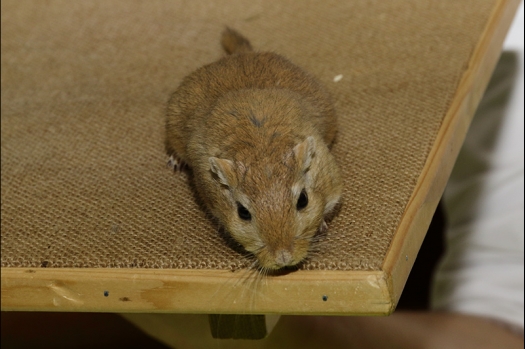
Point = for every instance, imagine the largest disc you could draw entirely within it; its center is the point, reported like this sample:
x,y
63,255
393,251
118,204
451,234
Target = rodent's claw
x,y
171,163
323,227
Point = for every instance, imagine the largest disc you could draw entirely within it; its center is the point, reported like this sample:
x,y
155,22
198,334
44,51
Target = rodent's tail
x,y
233,42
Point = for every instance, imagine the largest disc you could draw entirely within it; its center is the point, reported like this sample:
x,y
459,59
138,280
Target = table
x,y
93,221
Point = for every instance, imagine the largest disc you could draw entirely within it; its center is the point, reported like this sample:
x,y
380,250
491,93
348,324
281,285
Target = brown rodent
x,y
255,130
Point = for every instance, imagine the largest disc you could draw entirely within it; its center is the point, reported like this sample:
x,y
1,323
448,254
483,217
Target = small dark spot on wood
x,y
325,298
49,246
124,299
30,271
44,264
106,293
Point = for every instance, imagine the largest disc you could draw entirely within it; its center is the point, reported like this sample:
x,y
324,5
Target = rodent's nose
x,y
283,257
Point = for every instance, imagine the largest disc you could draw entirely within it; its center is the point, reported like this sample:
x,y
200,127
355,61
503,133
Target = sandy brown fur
x,y
255,129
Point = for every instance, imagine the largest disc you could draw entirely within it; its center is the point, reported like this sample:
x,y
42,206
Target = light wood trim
x,y
433,179
194,291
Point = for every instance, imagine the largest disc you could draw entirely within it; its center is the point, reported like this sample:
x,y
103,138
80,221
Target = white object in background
x,y
482,271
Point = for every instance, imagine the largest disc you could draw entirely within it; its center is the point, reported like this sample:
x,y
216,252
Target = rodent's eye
x,y
243,212
302,202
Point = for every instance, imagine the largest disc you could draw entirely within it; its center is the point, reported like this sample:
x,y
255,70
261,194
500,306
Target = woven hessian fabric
x,y
84,87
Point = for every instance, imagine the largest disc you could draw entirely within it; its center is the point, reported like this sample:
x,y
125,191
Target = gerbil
x,y
256,131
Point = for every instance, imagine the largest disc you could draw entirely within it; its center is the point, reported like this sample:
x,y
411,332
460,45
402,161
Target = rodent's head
x,y
275,209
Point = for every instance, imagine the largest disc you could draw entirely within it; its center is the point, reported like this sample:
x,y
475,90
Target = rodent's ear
x,y
304,152
224,169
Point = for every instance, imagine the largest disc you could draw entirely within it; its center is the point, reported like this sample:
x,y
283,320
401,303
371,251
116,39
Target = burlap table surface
x,y
84,86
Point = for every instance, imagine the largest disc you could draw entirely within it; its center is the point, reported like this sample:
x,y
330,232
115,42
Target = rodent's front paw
x,y
175,163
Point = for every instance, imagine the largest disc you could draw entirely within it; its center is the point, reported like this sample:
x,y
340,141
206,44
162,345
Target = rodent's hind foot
x,y
175,164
